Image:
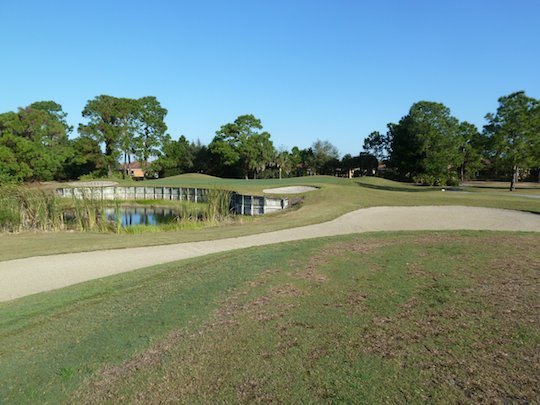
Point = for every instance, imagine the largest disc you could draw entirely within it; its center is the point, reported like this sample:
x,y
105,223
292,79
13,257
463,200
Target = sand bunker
x,y
289,190
31,275
93,183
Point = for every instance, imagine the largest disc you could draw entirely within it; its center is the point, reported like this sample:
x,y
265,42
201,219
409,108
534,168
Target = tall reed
x,y
89,210
218,204
23,208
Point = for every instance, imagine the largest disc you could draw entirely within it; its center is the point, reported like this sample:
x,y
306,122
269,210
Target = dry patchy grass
x,y
431,317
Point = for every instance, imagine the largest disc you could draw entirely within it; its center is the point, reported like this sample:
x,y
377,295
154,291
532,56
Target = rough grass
x,y
335,197
383,318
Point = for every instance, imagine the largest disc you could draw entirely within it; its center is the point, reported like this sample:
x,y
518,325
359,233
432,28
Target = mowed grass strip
x,y
385,318
335,197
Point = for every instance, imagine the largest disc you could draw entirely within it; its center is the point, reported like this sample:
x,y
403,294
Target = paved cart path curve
x,y
22,277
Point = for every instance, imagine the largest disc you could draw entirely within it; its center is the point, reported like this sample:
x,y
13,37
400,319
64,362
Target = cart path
x,y
22,277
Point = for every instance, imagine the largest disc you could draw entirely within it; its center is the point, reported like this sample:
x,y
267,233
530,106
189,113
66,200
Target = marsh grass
x,y
23,209
218,204
32,209
215,208
89,212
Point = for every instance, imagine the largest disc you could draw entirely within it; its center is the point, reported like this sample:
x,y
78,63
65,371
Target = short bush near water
x,y
27,209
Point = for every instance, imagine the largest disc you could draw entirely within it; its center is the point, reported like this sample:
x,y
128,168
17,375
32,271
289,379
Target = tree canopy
x,y
134,128
514,131
427,145
34,143
325,157
240,148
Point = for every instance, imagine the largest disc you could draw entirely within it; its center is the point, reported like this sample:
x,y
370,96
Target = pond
x,y
131,216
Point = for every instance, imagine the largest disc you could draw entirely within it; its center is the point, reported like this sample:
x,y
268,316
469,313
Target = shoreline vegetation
x,y
24,209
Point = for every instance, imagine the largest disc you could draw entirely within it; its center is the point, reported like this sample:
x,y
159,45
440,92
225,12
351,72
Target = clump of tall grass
x,y
89,212
23,208
218,205
215,208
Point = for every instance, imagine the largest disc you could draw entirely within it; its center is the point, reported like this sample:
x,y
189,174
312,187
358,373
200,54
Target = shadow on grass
x,y
501,185
408,189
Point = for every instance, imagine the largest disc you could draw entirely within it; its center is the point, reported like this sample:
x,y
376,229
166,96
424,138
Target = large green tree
x,y
55,111
257,153
131,128
151,128
514,131
107,119
176,157
472,145
34,143
325,157
283,162
378,145
425,144
239,148
296,158
87,158
201,157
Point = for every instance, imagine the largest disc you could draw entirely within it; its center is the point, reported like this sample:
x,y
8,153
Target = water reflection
x,y
131,216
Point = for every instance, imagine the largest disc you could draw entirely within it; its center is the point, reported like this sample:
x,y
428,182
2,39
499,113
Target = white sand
x,y
93,183
22,277
290,190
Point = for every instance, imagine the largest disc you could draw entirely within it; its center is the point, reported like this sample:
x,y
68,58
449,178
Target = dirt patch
x,y
481,341
110,376
253,390
324,256
310,272
261,309
356,298
474,342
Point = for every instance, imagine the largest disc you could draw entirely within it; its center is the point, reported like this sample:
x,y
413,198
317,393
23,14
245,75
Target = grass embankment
x,y
394,318
335,197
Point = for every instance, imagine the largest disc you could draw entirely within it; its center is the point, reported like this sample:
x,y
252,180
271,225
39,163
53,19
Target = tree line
x,y
428,145
35,145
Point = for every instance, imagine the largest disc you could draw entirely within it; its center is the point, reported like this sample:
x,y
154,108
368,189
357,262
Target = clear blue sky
x,y
334,70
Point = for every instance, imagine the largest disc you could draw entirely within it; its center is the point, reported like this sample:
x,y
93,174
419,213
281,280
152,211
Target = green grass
x,y
335,197
374,318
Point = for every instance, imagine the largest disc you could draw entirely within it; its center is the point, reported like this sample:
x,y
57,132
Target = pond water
x,y
131,216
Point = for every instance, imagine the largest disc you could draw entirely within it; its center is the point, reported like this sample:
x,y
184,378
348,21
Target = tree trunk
x,y
462,173
126,166
280,174
514,179
108,154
